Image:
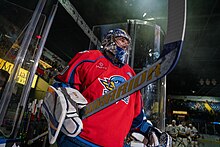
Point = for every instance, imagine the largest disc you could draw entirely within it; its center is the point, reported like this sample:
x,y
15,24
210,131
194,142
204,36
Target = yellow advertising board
x,y
208,107
22,75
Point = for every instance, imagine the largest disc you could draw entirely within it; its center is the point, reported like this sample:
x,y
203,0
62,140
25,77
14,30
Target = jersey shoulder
x,y
83,56
90,53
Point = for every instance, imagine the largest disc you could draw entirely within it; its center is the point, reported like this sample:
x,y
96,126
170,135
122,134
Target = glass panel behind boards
x,y
14,22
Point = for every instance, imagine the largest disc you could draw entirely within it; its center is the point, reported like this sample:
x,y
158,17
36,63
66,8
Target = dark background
x,y
200,58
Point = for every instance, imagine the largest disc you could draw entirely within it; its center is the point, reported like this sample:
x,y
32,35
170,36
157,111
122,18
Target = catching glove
x,y
147,135
60,108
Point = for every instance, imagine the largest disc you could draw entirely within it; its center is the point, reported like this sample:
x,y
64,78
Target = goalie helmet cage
x,y
147,40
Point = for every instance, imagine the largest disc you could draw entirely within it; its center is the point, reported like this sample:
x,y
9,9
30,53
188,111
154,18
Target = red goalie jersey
x,y
93,75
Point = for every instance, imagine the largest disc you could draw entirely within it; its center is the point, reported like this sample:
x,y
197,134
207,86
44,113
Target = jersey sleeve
x,y
139,113
139,103
70,74
140,122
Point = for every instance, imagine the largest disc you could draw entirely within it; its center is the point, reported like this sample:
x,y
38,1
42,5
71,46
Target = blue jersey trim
x,y
86,142
66,141
71,78
138,120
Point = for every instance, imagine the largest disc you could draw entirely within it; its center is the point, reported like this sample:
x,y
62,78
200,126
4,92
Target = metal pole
x,y
132,29
6,96
27,88
161,83
162,110
79,20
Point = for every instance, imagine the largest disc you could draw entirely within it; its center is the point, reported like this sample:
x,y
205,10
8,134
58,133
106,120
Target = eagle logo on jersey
x,y
111,83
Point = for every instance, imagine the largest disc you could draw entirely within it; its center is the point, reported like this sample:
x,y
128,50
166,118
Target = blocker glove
x,y
61,110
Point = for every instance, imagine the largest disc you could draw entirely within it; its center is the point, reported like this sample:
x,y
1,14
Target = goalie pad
x,y
60,108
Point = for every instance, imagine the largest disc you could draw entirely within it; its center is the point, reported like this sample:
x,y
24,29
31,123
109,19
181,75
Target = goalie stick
x,y
167,61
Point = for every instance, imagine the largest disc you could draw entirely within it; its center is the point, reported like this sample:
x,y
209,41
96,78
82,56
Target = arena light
x,y
38,37
180,112
215,123
201,81
214,82
207,81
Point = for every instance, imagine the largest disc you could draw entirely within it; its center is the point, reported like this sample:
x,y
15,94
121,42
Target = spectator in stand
x,y
182,134
172,130
194,135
